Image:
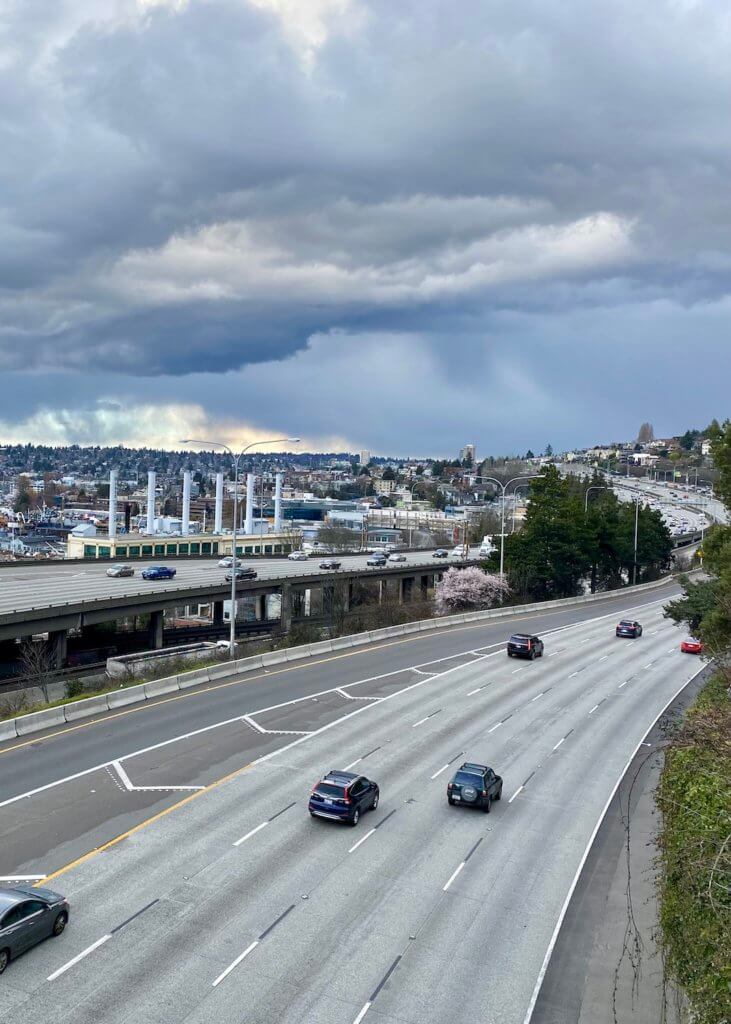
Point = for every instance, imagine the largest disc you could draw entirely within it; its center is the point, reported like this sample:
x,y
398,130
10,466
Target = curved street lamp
x,y
503,488
236,459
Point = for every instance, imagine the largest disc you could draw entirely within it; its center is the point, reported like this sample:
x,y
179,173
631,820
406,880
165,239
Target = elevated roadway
x,y
57,596
225,901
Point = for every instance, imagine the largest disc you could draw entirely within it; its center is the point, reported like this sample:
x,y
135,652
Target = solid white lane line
x,y
21,878
420,722
593,709
352,764
252,833
623,684
573,674
473,692
79,956
453,876
518,790
341,691
361,840
131,788
559,743
443,769
494,727
604,657
362,1013
536,697
586,641
518,669
648,665
254,725
236,962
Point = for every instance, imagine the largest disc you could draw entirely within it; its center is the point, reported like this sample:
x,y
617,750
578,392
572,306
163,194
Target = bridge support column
x,y
218,613
400,590
286,613
260,606
57,644
424,587
157,621
298,604
407,589
381,591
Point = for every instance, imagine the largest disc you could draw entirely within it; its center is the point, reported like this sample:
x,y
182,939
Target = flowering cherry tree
x,y
468,589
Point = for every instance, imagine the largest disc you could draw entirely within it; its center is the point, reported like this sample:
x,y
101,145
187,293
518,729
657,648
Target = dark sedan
x,y
376,560
330,563
629,628
440,553
242,573
28,916
158,572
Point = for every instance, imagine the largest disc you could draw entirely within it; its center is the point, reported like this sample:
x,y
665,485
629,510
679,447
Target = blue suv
x,y
343,796
158,572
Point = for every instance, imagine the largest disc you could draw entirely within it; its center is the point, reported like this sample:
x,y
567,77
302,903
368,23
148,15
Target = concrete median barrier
x,y
298,653
8,730
249,664
321,647
340,643
127,695
157,687
273,658
86,708
40,720
196,678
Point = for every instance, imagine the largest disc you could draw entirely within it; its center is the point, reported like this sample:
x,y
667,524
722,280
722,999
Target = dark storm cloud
x,y
192,189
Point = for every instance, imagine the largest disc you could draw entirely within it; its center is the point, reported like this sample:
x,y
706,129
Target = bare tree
x,y
36,661
338,538
646,434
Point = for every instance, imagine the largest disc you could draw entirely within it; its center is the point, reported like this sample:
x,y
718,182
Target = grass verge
x,y
694,796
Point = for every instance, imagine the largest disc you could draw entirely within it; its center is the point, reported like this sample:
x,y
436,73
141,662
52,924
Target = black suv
x,y
343,796
525,645
475,785
628,627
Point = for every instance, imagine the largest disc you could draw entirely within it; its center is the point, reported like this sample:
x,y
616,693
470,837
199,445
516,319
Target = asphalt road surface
x,y
228,903
55,585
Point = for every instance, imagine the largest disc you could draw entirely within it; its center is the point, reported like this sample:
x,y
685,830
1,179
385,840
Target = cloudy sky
x,y
394,224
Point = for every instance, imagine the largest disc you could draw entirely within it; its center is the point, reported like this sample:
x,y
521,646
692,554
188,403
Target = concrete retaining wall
x,y
39,720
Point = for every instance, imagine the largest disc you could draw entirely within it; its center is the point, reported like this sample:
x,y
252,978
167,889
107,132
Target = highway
x,y
228,903
56,585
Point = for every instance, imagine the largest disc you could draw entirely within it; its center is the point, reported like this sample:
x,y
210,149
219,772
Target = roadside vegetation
x,y
695,789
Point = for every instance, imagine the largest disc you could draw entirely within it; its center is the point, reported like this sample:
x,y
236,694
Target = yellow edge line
x,y
149,705
143,824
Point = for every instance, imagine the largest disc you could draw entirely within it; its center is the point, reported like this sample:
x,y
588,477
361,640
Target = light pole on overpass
x,y
236,459
503,488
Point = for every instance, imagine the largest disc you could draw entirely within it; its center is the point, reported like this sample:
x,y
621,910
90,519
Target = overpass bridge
x,y
56,598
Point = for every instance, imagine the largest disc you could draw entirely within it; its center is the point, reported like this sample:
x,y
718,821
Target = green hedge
x,y
695,902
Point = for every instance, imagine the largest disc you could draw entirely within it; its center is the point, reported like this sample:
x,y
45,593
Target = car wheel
x,y
60,923
355,818
499,794
487,805
532,656
375,802
4,959
450,801
510,654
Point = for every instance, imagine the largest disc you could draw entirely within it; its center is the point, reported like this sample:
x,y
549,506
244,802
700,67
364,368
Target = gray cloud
x,y
195,192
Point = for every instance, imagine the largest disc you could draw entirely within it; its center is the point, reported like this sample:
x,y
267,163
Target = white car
x,y
298,556
460,552
226,563
396,556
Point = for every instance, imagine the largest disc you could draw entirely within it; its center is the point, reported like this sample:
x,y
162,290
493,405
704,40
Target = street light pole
x,y
637,523
594,487
236,458
504,487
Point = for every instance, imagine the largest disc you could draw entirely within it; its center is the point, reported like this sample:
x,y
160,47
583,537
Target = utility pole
x,y
637,523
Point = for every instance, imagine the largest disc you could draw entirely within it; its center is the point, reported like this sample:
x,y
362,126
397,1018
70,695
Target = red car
x,y
691,646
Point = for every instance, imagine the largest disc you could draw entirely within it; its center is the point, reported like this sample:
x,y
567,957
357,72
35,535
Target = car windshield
x,y
329,790
468,779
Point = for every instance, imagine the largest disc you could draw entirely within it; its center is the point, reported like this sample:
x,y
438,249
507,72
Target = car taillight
x,y
484,792
346,797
